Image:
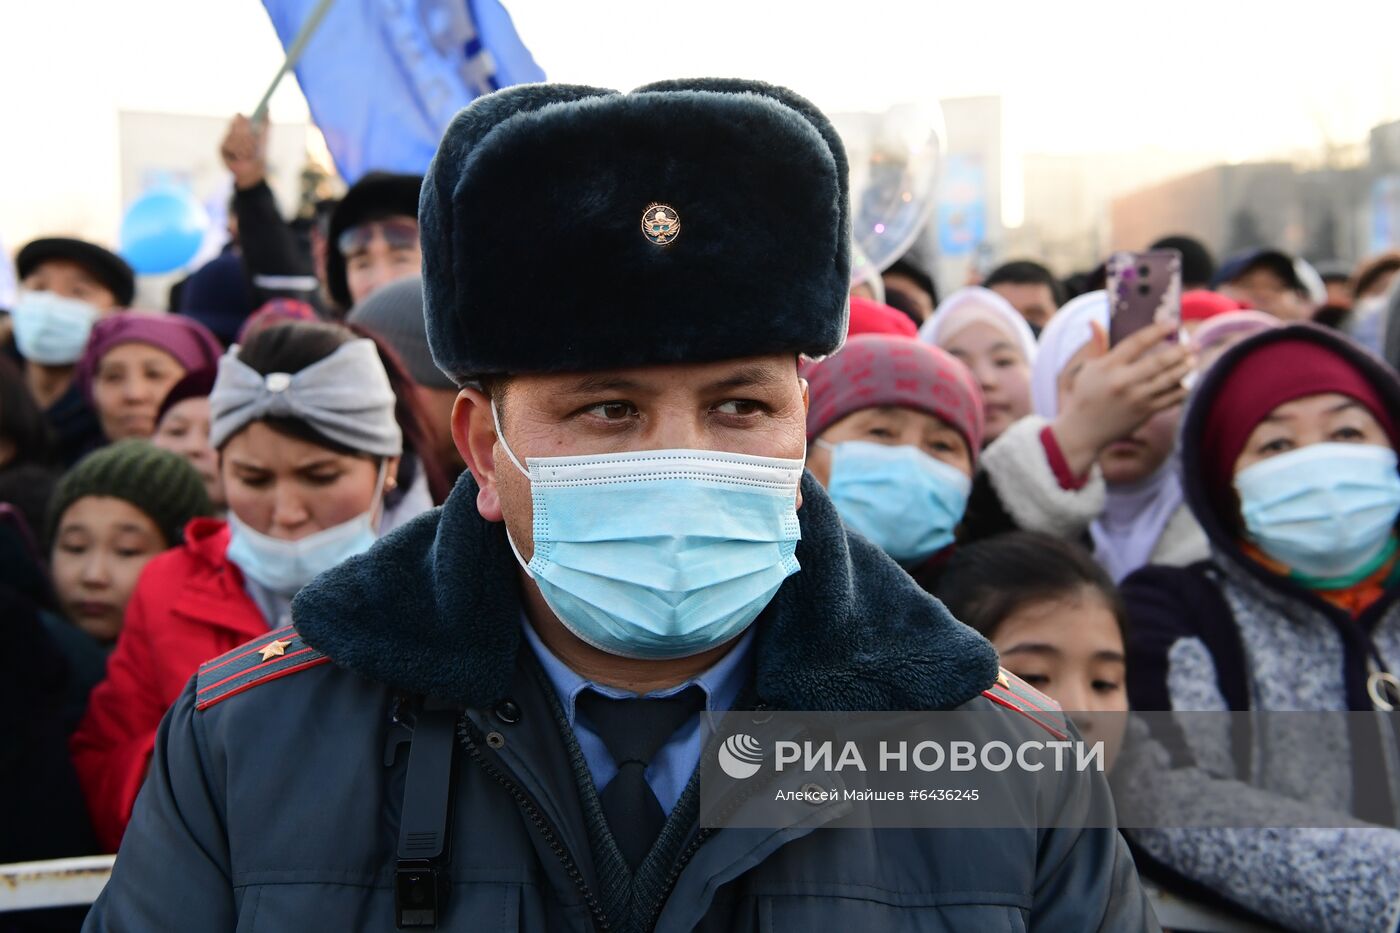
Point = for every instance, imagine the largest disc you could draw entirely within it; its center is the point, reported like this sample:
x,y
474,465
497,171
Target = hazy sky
x,y
1242,79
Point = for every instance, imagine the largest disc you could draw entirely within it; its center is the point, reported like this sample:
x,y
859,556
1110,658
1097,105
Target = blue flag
x,y
384,77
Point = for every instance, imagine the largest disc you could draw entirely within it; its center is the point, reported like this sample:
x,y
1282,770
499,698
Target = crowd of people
x,y
1202,519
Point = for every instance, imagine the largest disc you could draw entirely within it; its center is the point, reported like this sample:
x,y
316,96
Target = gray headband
x,y
345,397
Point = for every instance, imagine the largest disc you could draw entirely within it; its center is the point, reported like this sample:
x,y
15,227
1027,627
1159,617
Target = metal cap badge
x,y
661,224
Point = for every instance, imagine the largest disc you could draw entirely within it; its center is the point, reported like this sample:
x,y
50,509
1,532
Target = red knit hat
x,y
1202,305
276,311
874,370
871,317
1262,379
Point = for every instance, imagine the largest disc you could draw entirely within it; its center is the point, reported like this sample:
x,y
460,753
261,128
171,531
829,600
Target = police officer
x,y
635,544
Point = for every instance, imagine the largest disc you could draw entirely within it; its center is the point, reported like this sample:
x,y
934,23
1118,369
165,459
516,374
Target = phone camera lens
x,y
1144,271
1143,289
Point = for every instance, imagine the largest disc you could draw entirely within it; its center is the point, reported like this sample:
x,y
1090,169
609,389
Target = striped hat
x,y
874,370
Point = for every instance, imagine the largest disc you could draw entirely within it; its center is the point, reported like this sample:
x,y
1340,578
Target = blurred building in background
x,y
1066,221
1342,206
965,227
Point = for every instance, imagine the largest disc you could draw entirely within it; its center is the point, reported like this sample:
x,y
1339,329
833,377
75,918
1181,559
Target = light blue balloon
x,y
163,230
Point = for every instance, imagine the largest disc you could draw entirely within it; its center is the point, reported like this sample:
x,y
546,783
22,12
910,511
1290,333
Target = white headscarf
x,y
977,305
1066,334
1134,516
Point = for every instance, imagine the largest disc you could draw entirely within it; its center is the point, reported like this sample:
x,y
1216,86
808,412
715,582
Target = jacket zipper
x,y
696,842
551,838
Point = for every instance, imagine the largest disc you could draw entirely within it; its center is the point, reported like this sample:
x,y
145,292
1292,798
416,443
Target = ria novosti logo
x,y
740,756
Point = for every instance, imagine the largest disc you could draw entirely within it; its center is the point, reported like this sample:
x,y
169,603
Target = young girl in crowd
x,y
983,330
303,419
132,361
1095,460
108,517
1289,462
1055,618
182,427
893,433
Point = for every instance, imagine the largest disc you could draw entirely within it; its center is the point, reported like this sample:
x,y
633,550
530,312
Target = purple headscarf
x,y
190,342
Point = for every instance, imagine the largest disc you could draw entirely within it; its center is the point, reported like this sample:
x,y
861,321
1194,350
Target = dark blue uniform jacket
x,y
269,806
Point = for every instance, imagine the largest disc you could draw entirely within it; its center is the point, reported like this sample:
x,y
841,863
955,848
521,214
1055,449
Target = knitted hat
x,y
871,317
874,370
197,383
188,341
104,265
159,483
1262,373
1202,305
275,311
395,313
683,222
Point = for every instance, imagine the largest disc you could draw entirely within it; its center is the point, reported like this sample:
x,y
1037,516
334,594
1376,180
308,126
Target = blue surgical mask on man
x,y
284,566
1325,510
905,501
660,553
51,329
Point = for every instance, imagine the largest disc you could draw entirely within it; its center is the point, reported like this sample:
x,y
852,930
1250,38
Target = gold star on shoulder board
x,y
1001,677
274,649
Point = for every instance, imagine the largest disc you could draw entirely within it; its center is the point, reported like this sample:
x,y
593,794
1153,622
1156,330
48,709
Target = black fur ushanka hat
x,y
571,228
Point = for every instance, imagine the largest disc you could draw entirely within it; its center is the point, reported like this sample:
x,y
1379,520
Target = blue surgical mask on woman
x,y
660,553
284,566
1325,510
50,329
899,497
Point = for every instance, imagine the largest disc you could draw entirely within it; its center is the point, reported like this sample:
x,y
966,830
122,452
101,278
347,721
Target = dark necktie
x,y
634,730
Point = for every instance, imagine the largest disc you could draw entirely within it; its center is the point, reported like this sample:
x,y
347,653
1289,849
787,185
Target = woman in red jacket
x,y
303,419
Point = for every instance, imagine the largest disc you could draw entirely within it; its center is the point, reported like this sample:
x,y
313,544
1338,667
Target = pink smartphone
x,y
1143,288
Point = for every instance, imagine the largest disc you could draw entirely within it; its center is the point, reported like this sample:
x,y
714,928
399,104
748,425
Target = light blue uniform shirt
x,y
672,766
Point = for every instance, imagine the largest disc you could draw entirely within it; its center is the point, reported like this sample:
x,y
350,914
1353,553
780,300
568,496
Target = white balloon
x,y
894,159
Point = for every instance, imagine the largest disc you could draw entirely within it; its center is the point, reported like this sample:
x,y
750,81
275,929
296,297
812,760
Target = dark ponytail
x,y
412,419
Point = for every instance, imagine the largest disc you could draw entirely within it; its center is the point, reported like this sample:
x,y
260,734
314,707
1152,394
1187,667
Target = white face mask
x,y
660,553
50,329
283,566
1325,510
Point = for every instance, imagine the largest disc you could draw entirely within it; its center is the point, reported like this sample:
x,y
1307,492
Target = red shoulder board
x,y
266,658
1014,693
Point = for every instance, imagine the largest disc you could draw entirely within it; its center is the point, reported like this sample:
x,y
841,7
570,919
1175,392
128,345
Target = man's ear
x,y
474,434
806,407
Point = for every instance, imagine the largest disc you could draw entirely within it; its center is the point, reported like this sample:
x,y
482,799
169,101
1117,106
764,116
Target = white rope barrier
x,y
58,883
